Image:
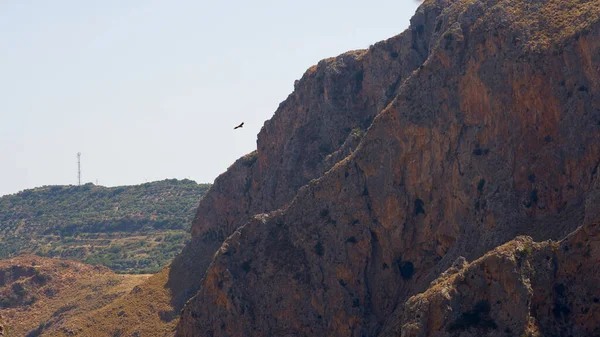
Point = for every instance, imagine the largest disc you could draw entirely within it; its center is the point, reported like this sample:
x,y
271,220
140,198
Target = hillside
x,y
132,229
145,311
38,294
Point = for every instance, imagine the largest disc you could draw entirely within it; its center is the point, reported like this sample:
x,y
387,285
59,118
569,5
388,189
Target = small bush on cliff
x,y
407,269
534,196
18,289
419,207
319,249
358,132
526,251
481,185
246,266
480,151
478,317
38,331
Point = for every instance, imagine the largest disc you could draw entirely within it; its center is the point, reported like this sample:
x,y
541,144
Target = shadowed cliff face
x,y
495,134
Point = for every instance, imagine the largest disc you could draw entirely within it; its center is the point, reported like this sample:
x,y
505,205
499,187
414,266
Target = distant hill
x,y
132,229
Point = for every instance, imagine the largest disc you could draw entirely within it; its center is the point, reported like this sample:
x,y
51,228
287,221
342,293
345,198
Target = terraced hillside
x,y
130,229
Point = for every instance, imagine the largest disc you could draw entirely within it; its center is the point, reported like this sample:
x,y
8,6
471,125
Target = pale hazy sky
x,y
148,90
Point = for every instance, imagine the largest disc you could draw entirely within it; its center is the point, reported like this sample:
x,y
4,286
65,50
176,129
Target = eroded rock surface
x,y
522,288
319,124
484,125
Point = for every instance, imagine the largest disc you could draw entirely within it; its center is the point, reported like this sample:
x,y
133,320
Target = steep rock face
x,y
334,98
320,123
496,134
521,289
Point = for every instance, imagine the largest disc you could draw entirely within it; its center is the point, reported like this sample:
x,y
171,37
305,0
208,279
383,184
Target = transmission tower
x,y
79,168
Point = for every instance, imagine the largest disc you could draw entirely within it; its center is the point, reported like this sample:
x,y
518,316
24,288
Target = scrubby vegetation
x,y
132,229
478,318
37,295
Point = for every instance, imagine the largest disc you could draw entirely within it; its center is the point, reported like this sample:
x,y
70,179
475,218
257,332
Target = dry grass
x,y
145,311
40,294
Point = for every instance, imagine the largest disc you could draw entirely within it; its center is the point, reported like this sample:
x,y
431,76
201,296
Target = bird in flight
x,y
239,126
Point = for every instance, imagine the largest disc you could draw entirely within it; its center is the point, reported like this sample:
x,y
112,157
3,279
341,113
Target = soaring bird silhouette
x,y
239,126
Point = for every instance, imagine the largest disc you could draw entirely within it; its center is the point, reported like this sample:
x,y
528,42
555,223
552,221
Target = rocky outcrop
x,y
522,288
496,133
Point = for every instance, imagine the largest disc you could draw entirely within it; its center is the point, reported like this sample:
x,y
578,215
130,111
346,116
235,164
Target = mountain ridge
x,y
493,136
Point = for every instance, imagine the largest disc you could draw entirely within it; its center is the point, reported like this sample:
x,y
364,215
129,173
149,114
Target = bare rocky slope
x,y
479,123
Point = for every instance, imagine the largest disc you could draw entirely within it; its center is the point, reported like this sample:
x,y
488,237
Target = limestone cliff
x,y
483,124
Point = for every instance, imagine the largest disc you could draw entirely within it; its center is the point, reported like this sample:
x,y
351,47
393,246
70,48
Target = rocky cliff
x,y
318,125
522,288
479,123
